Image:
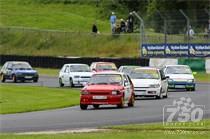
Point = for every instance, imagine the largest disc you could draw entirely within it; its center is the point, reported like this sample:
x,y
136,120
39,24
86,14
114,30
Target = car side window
x,y
66,70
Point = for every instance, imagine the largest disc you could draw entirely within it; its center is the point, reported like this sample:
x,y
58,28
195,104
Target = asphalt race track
x,y
144,111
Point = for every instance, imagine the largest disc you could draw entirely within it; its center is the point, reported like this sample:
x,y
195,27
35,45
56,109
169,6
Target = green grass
x,y
16,99
202,77
138,131
69,17
48,72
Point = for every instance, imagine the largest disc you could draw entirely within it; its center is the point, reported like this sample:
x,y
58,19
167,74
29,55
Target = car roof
x,y
16,62
104,62
148,68
130,66
70,64
177,65
109,72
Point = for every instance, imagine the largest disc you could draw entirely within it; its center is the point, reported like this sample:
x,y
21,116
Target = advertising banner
x,y
175,50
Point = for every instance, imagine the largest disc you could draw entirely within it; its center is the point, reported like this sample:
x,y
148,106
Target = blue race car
x,y
18,71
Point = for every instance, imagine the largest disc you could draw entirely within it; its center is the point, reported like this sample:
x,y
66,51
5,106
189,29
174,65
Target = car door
x,y
164,82
127,86
66,74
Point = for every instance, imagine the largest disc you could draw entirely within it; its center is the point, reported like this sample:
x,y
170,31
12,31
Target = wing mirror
x,y
125,83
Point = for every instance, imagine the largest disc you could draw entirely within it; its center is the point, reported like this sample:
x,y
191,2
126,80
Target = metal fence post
x,y
141,28
165,26
188,25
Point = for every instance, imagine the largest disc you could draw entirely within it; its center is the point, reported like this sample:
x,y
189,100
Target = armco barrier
x,y
58,62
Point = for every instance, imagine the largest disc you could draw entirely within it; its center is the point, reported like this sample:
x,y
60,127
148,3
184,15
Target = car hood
x,y
25,71
102,87
144,82
82,73
180,76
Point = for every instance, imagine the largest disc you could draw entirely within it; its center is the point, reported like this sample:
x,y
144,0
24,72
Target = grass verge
x,y
138,131
16,99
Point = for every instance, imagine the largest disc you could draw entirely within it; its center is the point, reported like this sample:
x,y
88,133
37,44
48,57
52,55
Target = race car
x,y
18,71
74,75
103,66
180,77
107,88
149,82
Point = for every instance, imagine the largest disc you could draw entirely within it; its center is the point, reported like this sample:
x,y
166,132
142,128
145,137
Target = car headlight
x,y
84,92
115,92
170,80
76,76
154,86
190,81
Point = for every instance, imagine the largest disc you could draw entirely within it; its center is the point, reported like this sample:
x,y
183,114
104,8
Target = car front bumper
x,y
180,85
26,77
146,91
80,82
107,100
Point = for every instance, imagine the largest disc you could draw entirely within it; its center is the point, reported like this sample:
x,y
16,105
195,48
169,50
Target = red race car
x,y
108,88
103,66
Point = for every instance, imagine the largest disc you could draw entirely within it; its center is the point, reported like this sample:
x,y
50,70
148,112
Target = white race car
x,y
149,82
74,74
180,76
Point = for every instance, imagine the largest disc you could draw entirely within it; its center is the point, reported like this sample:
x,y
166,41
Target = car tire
x,y
2,78
131,102
166,96
71,84
161,95
83,107
61,83
35,80
193,89
96,106
121,105
14,78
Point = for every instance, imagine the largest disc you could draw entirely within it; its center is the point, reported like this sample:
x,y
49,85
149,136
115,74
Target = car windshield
x,y
106,79
178,70
128,69
106,67
21,66
144,74
80,68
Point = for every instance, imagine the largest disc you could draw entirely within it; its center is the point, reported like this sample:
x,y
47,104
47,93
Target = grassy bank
x,y
33,42
16,99
140,131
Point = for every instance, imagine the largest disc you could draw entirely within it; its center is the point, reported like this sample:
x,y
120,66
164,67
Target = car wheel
x,y
61,83
121,105
166,96
2,78
96,106
71,82
131,102
14,79
160,96
193,89
83,107
35,80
